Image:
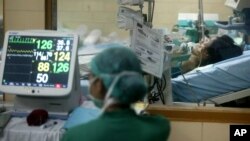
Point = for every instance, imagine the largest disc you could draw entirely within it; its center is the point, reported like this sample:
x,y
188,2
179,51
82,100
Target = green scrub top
x,y
121,125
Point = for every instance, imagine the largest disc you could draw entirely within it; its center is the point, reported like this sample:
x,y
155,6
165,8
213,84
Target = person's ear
x,y
100,88
205,54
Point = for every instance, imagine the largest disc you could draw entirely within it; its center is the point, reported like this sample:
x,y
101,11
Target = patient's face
x,y
199,56
200,50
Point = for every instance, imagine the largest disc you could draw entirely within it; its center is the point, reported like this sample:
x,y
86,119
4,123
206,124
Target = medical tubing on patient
x,y
195,95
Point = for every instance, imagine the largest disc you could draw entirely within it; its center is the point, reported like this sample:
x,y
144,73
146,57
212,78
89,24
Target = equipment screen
x,y
34,60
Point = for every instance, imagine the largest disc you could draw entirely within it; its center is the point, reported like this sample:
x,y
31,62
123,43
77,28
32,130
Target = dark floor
x,y
240,103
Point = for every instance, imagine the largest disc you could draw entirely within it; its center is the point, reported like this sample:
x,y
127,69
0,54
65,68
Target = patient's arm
x,y
190,64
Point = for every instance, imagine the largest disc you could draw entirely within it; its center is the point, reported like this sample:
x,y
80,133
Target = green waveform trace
x,y
19,51
20,40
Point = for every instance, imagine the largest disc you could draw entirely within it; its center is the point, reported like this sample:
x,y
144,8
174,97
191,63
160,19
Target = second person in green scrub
x,y
116,83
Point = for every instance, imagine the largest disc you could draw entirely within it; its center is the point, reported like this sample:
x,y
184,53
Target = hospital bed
x,y
217,83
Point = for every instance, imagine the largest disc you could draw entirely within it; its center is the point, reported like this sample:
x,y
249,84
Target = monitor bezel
x,y
40,91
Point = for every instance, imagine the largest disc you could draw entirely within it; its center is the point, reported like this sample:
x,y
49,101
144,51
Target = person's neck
x,y
115,107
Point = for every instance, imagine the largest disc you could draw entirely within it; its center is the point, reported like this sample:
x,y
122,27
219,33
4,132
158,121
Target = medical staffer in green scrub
x,y
116,83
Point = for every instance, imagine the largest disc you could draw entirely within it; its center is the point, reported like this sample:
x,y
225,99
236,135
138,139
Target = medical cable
x,y
186,81
200,60
164,84
160,85
150,88
160,90
195,95
153,96
190,89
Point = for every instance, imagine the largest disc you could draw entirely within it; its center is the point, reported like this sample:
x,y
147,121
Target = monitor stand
x,y
58,107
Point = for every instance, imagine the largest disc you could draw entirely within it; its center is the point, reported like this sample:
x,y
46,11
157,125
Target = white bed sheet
x,y
18,130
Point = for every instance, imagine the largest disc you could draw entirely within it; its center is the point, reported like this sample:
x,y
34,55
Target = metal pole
x,y
201,19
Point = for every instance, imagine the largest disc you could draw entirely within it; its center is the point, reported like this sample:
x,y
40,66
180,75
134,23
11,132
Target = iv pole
x,y
201,20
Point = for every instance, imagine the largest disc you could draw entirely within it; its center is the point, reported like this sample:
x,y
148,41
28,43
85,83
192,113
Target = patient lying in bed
x,y
203,83
212,80
211,51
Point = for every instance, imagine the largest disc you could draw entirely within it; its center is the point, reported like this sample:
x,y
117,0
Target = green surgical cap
x,y
111,62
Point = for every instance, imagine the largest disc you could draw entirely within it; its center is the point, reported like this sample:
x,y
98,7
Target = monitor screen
x,y
38,63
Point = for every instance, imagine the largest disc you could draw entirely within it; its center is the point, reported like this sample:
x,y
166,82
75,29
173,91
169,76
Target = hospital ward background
x,y
202,104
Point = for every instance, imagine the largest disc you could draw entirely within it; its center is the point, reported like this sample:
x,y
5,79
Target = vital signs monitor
x,y
41,69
